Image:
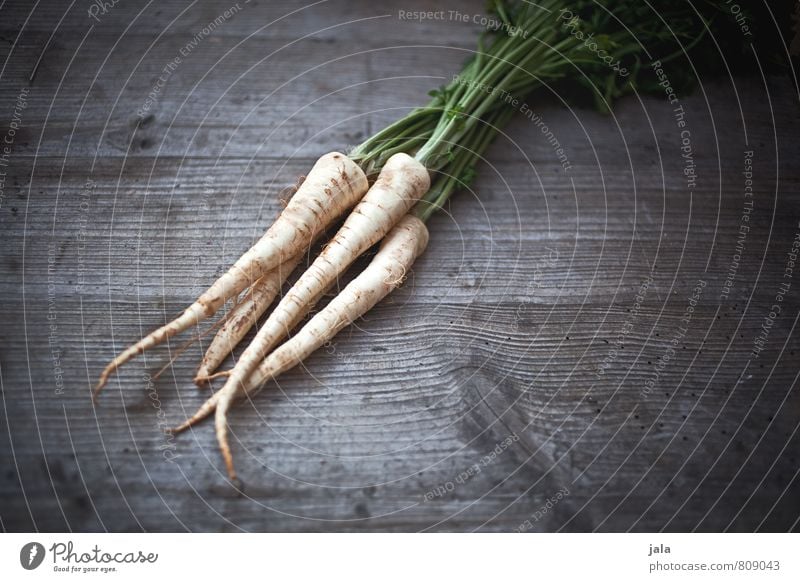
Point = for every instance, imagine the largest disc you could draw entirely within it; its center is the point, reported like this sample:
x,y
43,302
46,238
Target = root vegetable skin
x,y
401,182
333,185
386,271
243,316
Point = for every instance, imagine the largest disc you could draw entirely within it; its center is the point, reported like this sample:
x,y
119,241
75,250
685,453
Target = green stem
x,y
460,171
451,132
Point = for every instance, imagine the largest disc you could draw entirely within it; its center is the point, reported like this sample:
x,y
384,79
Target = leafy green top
x,y
586,47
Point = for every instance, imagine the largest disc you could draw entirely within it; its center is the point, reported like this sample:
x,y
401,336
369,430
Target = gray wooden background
x,y
521,320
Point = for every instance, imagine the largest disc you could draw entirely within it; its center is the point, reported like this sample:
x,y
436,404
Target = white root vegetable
x,y
244,316
333,185
401,182
386,271
205,409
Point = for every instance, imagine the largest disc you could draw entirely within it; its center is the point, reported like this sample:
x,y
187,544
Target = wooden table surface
x,y
602,346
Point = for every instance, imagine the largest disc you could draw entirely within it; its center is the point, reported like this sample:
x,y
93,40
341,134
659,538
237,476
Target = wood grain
x,y
112,223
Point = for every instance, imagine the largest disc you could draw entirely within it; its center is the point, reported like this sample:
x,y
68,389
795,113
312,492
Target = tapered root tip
x,y
207,408
202,374
189,422
203,379
180,428
226,454
99,387
225,449
103,380
221,425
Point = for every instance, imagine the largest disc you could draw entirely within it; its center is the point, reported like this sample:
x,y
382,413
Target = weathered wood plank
x,y
520,320
283,19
